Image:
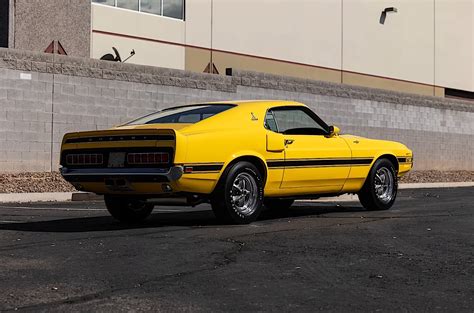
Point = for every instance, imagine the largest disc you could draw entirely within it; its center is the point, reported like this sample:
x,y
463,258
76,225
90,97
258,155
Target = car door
x,y
314,161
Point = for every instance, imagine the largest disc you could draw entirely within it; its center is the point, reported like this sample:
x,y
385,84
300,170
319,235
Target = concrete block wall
x,y
44,96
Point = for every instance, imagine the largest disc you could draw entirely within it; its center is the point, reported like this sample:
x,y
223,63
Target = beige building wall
x,y
401,48
426,46
157,40
455,44
303,31
198,23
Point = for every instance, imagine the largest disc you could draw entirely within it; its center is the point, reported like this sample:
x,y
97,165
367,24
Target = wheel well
x,y
391,158
259,164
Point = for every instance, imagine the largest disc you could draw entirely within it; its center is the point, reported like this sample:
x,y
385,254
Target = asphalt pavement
x,y
320,256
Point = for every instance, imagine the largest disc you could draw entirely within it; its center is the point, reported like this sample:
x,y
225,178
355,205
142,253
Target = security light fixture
x,y
390,9
384,14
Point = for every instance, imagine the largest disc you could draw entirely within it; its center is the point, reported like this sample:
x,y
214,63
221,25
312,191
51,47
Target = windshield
x,y
188,114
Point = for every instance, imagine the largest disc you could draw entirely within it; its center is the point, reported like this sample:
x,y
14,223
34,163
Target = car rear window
x,y
185,115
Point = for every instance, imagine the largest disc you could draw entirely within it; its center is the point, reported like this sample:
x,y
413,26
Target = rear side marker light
x,y
84,159
148,158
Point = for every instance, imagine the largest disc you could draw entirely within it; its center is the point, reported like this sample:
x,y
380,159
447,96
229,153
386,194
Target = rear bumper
x,y
129,174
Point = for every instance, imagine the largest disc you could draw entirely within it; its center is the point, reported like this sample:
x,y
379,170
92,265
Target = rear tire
x,y
238,198
380,189
279,205
127,210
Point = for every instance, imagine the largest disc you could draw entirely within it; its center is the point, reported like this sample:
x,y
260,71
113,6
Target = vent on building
x,y
55,47
211,68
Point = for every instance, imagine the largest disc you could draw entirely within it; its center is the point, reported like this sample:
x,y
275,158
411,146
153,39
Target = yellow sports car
x,y
241,156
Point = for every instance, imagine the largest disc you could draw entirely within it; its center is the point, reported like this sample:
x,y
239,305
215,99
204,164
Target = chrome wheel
x,y
384,185
244,194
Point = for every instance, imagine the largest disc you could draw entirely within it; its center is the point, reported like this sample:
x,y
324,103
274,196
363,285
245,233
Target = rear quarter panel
x,y
220,140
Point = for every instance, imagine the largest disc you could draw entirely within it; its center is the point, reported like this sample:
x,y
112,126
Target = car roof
x,y
259,102
247,103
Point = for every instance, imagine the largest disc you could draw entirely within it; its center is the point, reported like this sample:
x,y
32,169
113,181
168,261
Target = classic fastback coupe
x,y
240,156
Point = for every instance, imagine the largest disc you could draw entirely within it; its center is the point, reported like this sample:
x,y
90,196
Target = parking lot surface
x,y
418,256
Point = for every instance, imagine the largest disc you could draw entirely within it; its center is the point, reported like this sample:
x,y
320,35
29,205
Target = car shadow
x,y
160,219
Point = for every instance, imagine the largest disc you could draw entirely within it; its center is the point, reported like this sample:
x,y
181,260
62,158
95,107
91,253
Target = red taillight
x,y
147,158
84,159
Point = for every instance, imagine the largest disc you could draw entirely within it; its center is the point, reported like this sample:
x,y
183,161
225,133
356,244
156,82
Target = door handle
x,y
289,141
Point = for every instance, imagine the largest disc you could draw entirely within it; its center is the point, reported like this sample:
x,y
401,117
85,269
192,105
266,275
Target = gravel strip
x,y
438,177
53,182
34,182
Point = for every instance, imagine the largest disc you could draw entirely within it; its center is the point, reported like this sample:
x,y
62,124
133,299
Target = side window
x,y
270,122
297,121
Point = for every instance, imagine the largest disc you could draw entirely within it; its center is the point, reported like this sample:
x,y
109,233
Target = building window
x,y
173,8
151,6
105,2
128,4
168,8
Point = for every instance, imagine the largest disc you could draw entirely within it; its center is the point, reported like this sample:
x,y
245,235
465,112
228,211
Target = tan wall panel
x,y
402,48
455,44
197,59
439,91
389,84
303,31
224,60
147,53
198,23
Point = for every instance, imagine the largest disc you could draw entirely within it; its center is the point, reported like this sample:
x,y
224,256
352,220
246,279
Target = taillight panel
x,y
84,159
139,157
148,158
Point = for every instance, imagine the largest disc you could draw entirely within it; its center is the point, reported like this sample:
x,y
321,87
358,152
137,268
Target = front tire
x,y
380,188
127,210
238,198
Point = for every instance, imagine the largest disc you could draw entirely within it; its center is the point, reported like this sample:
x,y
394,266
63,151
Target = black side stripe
x,y
119,138
405,160
203,167
318,162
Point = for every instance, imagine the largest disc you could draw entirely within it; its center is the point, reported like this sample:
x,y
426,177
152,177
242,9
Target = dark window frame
x,y
308,111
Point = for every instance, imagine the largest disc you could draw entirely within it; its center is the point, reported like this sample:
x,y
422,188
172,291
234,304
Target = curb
x,y
47,197
87,196
435,185
35,197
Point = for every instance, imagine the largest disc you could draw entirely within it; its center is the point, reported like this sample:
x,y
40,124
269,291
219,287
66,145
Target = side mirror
x,y
334,131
